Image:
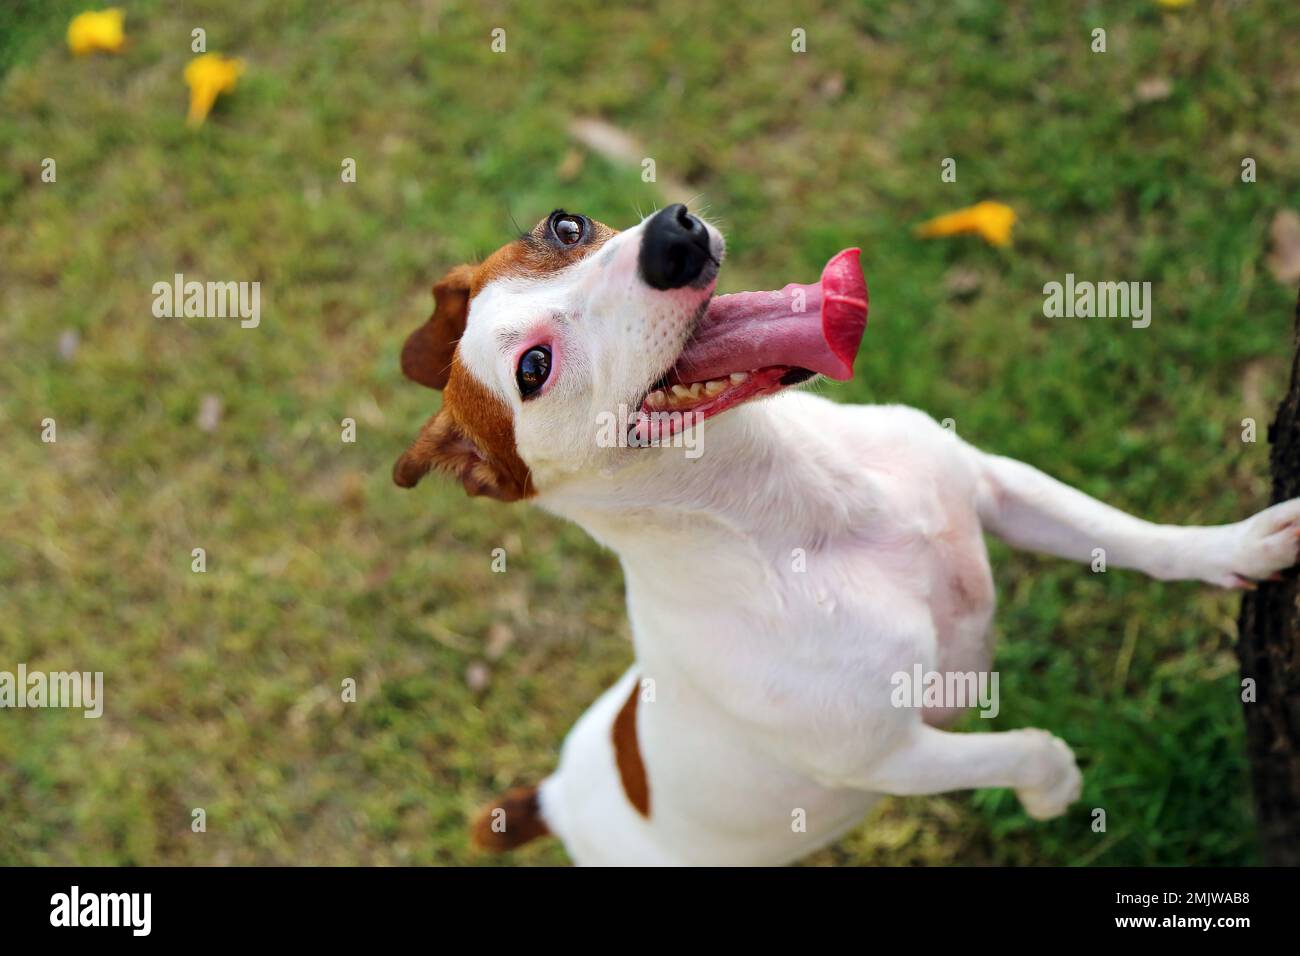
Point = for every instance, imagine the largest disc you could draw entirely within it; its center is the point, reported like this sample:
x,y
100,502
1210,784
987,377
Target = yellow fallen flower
x,y
991,220
1173,4
97,30
207,76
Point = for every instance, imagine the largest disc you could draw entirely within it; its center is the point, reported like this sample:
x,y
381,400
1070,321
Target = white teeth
x,y
679,395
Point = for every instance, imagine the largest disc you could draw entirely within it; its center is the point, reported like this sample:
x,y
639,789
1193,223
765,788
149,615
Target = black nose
x,y
675,248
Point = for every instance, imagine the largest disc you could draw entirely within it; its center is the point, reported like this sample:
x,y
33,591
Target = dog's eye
x,y
534,369
568,229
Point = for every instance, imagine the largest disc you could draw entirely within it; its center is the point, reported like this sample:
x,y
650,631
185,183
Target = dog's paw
x,y
1057,781
1264,545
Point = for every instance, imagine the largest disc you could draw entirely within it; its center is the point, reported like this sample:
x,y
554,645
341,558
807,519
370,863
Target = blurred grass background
x,y
223,688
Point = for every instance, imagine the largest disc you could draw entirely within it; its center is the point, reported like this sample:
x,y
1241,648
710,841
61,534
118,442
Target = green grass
x,y
223,688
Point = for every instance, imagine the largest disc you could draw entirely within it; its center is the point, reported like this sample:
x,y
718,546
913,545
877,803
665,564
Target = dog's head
x,y
573,322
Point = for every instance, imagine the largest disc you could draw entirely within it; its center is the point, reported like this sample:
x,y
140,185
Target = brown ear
x,y
444,445
426,356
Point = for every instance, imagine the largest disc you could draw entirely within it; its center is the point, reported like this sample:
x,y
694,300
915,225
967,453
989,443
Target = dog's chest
x,y
806,639
915,583
930,600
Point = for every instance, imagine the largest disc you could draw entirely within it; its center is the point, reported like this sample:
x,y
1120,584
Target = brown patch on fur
x,y
489,424
534,255
627,754
521,820
427,353
473,439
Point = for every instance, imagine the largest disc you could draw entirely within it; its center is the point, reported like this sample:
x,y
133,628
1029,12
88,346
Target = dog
x,y
778,581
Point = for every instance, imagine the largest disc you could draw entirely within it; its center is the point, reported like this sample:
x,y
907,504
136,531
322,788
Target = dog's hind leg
x,y
1030,510
1038,766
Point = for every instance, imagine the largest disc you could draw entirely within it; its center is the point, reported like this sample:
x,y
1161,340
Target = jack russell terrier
x,y
779,580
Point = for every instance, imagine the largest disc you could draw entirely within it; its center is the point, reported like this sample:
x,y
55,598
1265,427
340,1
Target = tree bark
x,y
1268,646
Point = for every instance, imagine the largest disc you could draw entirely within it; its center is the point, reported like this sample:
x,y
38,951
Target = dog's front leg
x,y
1027,509
1037,765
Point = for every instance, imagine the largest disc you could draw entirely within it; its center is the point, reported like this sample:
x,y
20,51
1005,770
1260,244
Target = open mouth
x,y
751,344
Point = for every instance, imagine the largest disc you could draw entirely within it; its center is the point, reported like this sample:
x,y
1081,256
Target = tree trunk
x,y
1269,649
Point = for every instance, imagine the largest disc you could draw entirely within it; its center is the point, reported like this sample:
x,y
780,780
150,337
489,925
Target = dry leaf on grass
x,y
962,283
69,341
477,677
1284,251
1153,89
615,145
209,413
499,638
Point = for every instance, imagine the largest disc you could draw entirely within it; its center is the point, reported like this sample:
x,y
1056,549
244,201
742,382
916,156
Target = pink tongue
x,y
817,327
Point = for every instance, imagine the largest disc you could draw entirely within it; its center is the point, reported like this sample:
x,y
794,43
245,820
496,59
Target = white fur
x,y
770,690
